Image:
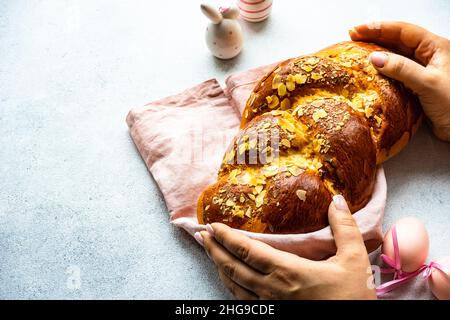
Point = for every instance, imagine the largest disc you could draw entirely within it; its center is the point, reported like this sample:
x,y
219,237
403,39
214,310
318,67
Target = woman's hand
x,y
423,66
251,269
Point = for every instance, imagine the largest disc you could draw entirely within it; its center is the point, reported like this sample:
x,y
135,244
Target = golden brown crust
x,y
314,126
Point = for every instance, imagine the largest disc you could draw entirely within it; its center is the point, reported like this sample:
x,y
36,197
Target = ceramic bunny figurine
x,y
224,34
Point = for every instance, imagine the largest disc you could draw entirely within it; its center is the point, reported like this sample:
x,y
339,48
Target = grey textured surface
x,y
74,192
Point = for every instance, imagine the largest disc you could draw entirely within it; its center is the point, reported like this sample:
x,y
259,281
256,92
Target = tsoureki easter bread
x,y
314,126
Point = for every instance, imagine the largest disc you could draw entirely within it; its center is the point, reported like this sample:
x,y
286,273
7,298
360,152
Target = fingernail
x,y
210,230
378,59
199,238
339,202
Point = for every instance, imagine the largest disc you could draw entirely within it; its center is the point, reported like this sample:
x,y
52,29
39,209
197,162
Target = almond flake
x,y
207,207
276,81
368,112
258,189
288,126
276,112
318,114
248,213
378,119
312,60
300,78
301,194
307,68
286,143
234,173
281,89
260,199
239,213
285,104
242,198
270,171
316,76
299,111
229,156
272,101
251,99
295,171
242,147
230,203
290,85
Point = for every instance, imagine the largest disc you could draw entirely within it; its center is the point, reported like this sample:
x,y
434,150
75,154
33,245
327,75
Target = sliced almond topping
x,y
299,111
258,189
286,143
318,114
242,198
270,171
276,112
301,194
230,203
239,213
368,112
307,68
300,78
260,199
242,147
251,99
316,76
272,101
251,196
234,173
288,126
295,171
207,207
248,213
276,81
317,144
285,104
229,157
312,60
281,89
378,119
290,85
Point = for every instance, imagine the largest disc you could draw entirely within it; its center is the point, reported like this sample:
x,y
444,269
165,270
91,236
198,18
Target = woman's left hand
x,y
251,269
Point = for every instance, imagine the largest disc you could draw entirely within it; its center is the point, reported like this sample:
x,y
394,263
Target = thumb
x,y
346,233
399,68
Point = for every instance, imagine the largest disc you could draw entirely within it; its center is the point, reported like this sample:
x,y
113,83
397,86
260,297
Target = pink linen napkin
x,y
182,139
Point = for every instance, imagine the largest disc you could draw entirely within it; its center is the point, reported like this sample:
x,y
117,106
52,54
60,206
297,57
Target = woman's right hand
x,y
423,66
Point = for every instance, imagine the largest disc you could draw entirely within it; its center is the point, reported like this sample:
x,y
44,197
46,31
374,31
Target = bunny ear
x,y
212,13
229,12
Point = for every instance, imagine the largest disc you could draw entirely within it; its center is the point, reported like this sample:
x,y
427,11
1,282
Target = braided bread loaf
x,y
313,127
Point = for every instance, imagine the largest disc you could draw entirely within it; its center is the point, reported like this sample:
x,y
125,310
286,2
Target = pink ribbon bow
x,y
401,277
